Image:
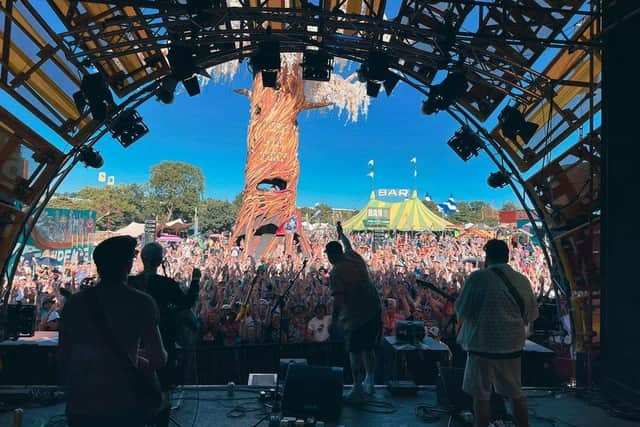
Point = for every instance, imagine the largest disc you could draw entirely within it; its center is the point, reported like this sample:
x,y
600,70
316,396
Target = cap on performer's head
x,y
334,251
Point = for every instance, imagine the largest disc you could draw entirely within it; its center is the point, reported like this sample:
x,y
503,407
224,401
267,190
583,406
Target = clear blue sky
x,y
209,131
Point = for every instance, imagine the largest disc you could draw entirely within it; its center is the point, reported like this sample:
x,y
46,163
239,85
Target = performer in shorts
x,y
356,305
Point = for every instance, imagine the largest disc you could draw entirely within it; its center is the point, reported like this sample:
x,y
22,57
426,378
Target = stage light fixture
x,y
443,94
498,179
192,85
90,157
373,88
390,82
128,127
317,65
167,90
267,61
513,124
95,93
465,143
269,78
183,68
375,72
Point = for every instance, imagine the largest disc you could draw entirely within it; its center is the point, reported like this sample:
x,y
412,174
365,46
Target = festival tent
x,y
176,226
413,215
359,221
135,229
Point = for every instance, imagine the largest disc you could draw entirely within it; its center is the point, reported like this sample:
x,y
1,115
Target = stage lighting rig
x,y
376,73
465,143
443,94
513,124
90,157
498,179
167,90
128,127
317,65
94,93
266,60
182,60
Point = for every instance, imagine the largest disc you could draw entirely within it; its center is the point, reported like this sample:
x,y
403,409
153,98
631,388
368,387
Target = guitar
x,y
242,314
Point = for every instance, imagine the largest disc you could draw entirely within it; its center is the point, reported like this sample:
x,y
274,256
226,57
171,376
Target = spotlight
x,y
465,143
90,157
267,61
183,68
95,93
128,127
317,65
390,82
192,85
270,78
373,88
167,90
498,179
376,73
513,124
442,95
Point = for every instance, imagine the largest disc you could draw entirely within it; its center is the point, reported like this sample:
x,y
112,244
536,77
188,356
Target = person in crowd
x,y
494,308
170,300
357,306
318,327
99,388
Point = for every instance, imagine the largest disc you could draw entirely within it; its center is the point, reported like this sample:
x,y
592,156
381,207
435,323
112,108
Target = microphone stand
x,y
280,304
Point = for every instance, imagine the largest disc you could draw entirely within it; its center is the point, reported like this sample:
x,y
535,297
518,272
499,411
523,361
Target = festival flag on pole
x,y
370,174
414,160
291,225
371,163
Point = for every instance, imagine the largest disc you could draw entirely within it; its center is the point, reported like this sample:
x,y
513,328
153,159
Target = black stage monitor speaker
x,y
21,320
313,391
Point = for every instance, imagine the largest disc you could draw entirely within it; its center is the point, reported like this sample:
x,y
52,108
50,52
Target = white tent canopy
x,y
135,229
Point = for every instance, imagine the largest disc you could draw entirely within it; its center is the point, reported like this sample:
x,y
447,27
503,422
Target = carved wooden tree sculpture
x,y
272,167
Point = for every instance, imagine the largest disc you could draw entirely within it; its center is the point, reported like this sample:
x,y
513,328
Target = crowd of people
x,y
399,264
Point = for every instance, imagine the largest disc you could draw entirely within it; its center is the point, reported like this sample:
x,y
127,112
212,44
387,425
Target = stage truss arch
x,y
127,43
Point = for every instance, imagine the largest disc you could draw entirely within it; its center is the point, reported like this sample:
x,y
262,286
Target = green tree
x,y
432,206
464,214
175,189
116,205
217,216
510,206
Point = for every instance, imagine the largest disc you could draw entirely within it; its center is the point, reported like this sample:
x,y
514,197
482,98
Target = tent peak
x,y
372,196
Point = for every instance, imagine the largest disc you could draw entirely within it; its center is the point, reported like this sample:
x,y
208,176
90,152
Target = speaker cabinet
x,y
313,391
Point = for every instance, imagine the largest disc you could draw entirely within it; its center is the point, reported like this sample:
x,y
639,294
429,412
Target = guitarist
x,y
170,300
100,335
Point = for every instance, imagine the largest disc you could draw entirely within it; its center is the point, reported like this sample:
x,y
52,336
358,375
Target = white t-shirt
x,y
319,328
491,319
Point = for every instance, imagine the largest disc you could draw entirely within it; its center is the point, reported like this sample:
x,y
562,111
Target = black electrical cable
x,y
429,413
173,420
261,420
376,407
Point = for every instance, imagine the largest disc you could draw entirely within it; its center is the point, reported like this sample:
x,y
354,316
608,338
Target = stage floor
x,y
210,406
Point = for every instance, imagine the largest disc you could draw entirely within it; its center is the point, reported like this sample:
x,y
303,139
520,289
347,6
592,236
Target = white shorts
x,y
482,375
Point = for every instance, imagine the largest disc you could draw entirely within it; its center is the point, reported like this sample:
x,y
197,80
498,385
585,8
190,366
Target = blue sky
x,y
209,131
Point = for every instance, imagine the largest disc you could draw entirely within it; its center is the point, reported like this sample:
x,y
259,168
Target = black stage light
x,y
270,78
390,82
377,66
513,124
465,143
443,94
317,65
183,68
90,157
167,90
95,93
498,179
267,61
128,127
192,85
373,88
